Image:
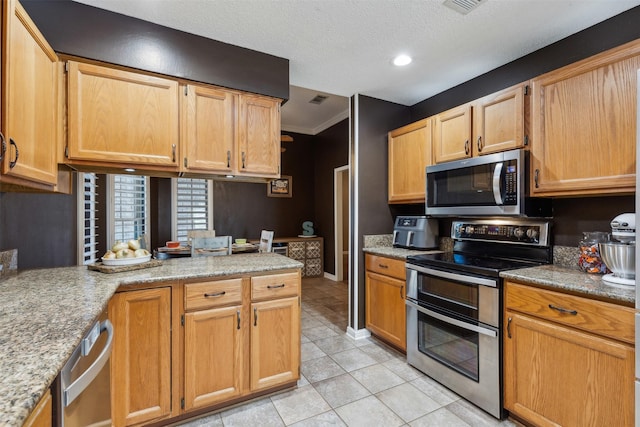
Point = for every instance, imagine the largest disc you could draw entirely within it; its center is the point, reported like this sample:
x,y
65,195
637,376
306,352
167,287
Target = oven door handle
x,y
454,276
497,174
451,321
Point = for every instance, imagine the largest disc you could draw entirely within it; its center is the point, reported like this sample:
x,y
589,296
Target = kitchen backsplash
x,y
566,256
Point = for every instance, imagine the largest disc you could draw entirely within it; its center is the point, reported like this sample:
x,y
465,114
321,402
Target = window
x,y
88,188
128,208
192,206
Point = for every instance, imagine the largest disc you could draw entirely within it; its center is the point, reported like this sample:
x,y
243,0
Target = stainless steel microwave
x,y
492,185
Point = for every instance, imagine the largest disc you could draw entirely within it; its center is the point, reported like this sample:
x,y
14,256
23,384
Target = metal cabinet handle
x,y
563,310
255,317
3,146
217,294
466,147
480,143
536,175
228,158
13,163
243,160
186,163
238,315
383,266
275,286
509,327
401,292
173,153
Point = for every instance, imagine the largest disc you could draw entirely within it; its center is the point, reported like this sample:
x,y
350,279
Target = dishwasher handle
x,y
74,389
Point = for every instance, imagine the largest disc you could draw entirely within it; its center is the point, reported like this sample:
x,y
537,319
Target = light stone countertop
x,y
45,312
397,253
573,281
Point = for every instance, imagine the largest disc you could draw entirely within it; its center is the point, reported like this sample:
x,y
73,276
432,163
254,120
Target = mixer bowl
x,y
620,258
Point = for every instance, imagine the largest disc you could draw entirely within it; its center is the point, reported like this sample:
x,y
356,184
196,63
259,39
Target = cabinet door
x,y
555,375
452,134
385,312
117,116
259,130
409,155
213,356
210,129
275,342
584,125
42,415
29,101
141,357
498,121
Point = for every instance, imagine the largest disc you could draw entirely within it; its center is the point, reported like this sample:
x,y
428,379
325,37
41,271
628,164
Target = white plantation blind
x,y
192,207
88,188
129,207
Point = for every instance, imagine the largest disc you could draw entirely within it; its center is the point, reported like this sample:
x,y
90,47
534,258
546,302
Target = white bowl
x,y
126,261
620,258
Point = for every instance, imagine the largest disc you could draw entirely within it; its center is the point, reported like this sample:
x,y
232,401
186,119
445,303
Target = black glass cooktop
x,y
470,263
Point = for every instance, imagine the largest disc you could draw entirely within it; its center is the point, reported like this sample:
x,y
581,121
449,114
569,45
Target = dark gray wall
x,y
331,148
374,120
81,30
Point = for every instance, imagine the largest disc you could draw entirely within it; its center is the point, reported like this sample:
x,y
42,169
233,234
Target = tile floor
x,y
351,383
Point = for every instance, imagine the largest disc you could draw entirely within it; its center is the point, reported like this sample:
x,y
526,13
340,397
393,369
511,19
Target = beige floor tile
x,y
376,378
379,352
340,390
401,368
319,332
408,402
327,419
258,413
335,344
299,404
320,369
368,412
435,390
353,359
439,418
310,350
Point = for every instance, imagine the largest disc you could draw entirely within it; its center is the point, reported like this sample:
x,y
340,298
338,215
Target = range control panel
x,y
507,231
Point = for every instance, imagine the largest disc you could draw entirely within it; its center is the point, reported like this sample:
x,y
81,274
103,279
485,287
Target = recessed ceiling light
x,y
129,170
402,60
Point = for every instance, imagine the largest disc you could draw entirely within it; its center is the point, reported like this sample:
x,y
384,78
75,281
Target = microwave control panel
x,y
530,233
511,183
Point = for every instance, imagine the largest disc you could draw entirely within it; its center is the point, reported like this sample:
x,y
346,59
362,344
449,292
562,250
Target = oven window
x,y
450,345
458,297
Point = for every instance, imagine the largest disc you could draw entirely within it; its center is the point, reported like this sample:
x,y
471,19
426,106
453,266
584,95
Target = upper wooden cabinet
x,y
487,125
259,136
584,125
30,118
410,152
228,132
210,129
118,117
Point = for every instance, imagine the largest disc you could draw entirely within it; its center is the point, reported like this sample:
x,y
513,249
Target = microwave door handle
x,y
452,321
497,174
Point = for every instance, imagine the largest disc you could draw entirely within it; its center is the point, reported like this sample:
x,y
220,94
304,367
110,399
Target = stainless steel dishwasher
x,y
83,387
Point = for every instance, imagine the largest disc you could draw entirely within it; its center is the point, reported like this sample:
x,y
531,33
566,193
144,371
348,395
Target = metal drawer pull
x,y
238,314
275,286
3,146
173,153
383,266
563,310
255,317
217,294
509,327
401,292
12,163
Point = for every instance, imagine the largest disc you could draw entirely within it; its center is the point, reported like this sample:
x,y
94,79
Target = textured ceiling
x,y
344,47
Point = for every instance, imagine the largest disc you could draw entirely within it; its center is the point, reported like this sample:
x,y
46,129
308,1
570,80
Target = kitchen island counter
x,y
45,312
573,281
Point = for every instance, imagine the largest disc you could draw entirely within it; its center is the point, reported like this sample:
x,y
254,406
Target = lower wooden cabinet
x,y
191,346
141,356
555,373
385,290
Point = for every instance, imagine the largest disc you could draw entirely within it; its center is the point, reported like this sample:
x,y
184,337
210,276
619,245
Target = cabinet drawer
x,y
598,317
274,286
387,266
199,296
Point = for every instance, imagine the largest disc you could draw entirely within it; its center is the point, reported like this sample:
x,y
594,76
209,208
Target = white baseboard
x,y
358,334
330,276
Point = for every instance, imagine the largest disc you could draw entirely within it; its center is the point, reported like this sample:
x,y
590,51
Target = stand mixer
x,y
619,255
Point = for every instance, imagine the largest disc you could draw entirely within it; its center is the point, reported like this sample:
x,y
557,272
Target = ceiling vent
x,y
463,6
318,99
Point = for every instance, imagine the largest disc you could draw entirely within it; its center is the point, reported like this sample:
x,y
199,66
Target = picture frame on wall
x,y
280,187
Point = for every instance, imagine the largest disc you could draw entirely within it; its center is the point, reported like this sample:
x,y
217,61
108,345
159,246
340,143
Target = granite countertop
x,y
397,253
573,281
45,312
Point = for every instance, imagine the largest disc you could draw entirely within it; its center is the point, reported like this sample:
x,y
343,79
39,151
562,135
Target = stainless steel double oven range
x,y
454,304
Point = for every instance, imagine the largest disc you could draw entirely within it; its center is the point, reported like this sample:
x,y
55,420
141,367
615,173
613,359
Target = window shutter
x,y
89,211
130,207
193,206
